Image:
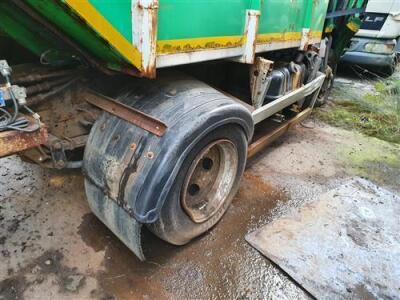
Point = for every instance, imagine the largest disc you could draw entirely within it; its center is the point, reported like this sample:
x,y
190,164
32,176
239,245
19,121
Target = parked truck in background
x,y
161,102
377,43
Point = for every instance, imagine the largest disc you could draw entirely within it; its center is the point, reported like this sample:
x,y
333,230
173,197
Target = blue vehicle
x,y
377,44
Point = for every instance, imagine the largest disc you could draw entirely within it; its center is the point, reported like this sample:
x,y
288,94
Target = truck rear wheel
x,y
204,187
180,183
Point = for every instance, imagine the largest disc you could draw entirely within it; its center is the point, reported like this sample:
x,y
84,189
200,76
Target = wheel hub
x,y
209,180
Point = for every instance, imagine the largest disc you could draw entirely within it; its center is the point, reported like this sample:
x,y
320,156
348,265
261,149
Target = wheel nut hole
x,y
193,189
207,163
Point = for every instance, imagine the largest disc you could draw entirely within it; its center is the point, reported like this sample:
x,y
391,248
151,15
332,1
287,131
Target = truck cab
x,y
377,43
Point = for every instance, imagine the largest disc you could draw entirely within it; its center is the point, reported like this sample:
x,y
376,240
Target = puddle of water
x,y
50,263
126,276
218,265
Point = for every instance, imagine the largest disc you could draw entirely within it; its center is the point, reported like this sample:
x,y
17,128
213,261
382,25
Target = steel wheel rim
x,y
209,180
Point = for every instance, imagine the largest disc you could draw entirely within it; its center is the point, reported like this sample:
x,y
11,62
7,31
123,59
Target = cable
x,y
12,122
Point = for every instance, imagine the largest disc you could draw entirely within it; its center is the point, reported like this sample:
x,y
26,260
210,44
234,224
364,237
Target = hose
x,y
26,79
46,86
37,99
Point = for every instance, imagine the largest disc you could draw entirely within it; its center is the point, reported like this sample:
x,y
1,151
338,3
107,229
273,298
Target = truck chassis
x,y
166,153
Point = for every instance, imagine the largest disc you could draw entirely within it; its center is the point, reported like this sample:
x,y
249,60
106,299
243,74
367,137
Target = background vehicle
x,y
377,44
169,152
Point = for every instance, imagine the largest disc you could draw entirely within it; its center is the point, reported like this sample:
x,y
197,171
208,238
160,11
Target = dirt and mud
x,y
53,247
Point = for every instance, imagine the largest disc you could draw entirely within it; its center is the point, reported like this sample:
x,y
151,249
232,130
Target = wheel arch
x,y
139,179
167,168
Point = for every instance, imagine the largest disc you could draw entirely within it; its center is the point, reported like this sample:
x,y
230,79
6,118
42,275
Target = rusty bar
x,y
258,145
12,142
126,113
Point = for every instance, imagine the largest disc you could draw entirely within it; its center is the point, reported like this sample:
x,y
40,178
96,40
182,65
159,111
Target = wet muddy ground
x,y
52,247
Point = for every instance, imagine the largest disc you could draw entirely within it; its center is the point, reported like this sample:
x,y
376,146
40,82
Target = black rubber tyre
x,y
389,70
174,224
327,87
324,95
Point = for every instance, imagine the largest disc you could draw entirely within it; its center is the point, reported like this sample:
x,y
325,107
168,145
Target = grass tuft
x,y
375,113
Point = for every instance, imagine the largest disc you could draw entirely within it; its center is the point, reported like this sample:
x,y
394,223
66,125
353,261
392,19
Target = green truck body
x,y
142,35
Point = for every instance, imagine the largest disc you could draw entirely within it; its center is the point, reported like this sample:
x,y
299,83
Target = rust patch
x,y
173,47
150,67
145,15
12,141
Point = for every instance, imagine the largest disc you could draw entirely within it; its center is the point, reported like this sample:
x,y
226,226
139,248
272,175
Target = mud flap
x,y
126,228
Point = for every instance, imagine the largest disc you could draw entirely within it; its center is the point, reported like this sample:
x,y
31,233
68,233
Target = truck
x,y
377,44
161,102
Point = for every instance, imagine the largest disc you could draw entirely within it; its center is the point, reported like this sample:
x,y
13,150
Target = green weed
x,y
375,114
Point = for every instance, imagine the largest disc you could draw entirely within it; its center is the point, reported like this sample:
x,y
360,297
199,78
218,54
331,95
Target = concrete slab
x,y
346,244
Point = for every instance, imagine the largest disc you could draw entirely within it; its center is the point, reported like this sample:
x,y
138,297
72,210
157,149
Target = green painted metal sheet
x,y
183,25
117,13
193,19
196,19
282,16
19,27
65,21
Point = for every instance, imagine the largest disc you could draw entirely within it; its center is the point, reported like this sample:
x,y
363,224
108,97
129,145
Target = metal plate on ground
x,y
346,245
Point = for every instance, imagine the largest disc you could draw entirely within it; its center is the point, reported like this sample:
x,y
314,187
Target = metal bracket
x,y
305,39
5,69
18,92
126,113
250,36
272,108
260,80
144,32
58,154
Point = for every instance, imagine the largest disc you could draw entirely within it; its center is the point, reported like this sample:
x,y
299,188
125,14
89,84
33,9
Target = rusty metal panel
x,y
12,142
344,245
